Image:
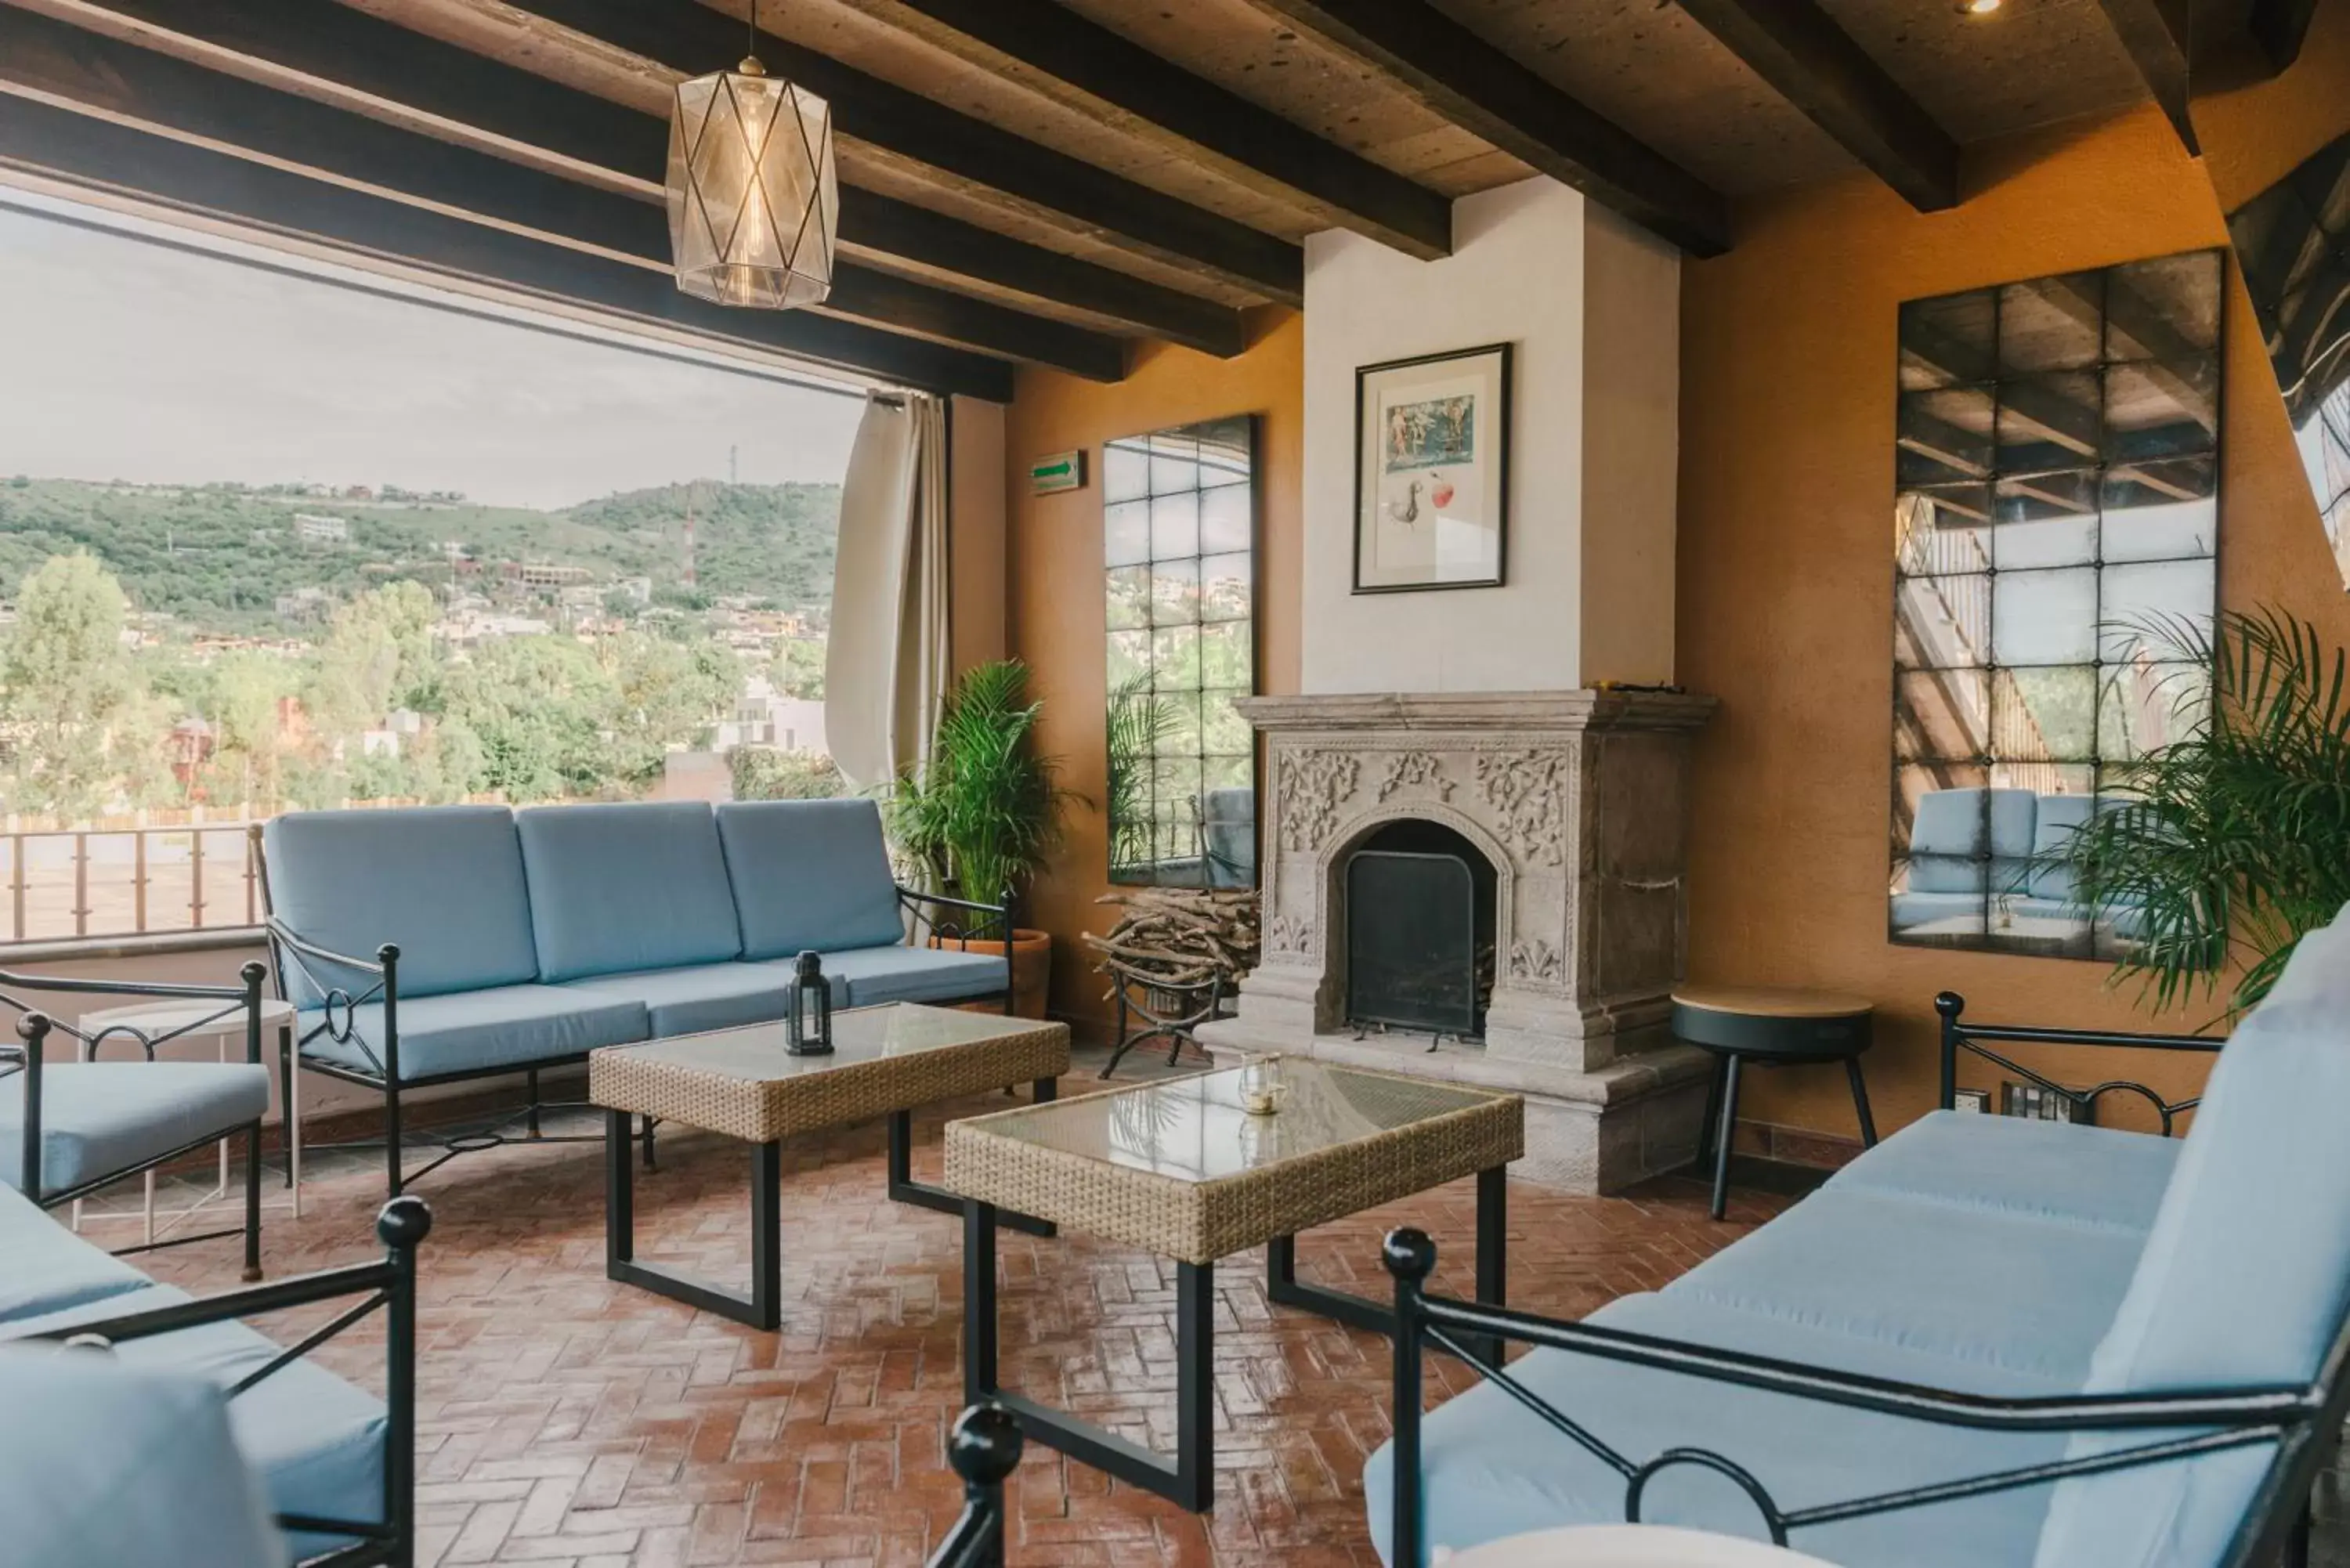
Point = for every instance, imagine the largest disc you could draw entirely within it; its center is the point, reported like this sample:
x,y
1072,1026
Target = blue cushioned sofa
x,y
436,944
1987,1342
335,1463
1978,854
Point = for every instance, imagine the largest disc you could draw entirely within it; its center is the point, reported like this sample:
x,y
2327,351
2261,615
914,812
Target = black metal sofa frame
x,y
2303,1421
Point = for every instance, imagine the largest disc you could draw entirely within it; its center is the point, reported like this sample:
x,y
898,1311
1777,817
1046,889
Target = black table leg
x,y
904,1188
1493,1251
1283,1287
1860,1102
762,1308
1712,1111
1722,1134
1189,1480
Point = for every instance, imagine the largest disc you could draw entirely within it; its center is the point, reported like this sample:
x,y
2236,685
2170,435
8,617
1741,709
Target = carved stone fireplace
x,y
1577,799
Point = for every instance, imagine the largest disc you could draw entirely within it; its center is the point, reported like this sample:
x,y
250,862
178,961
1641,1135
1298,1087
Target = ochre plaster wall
x,y
1054,569
1785,578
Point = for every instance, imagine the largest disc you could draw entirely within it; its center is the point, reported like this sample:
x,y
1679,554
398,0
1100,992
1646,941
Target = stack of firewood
x,y
1180,935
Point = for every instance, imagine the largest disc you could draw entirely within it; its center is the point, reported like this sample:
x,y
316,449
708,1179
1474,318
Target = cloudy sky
x,y
122,359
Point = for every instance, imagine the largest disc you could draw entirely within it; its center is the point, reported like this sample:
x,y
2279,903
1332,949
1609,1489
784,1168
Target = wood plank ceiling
x,y
1049,181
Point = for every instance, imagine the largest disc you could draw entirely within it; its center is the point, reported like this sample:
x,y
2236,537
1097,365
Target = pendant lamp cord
x,y
754,26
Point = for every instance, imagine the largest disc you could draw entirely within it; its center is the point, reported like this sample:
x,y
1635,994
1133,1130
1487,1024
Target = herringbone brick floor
x,y
567,1421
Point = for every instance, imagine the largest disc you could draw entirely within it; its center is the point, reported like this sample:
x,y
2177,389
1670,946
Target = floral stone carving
x,y
1529,789
1314,785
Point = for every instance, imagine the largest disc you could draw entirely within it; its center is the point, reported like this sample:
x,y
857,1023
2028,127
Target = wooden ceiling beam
x,y
1145,95
379,65
1807,59
1488,92
2154,35
46,138
159,91
978,157
2279,27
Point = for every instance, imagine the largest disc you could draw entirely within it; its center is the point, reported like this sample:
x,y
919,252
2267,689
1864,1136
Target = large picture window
x,y
2055,530
1178,550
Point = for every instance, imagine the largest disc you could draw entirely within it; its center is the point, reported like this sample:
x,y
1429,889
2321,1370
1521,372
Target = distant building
x,y
638,590
541,575
312,528
305,603
763,717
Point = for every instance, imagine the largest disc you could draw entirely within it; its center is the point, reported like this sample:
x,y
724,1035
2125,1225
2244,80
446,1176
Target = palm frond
x,y
983,815
2233,841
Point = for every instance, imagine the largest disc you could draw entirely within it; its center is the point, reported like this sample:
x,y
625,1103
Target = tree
x,y
539,707
668,694
67,684
763,773
377,656
244,705
798,668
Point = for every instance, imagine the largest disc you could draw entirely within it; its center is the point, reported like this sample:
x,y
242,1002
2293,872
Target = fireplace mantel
x,y
1576,797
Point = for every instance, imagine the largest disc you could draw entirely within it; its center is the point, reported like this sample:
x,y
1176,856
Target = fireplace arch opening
x,y
1419,914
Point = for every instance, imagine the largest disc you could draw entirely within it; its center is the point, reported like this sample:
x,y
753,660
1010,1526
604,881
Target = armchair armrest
x,y
1961,1036
2298,1418
388,1285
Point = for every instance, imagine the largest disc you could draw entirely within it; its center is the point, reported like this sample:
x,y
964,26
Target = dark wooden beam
x,y
170,94
44,139
1489,93
2155,34
2279,27
1815,64
356,51
1148,98
989,161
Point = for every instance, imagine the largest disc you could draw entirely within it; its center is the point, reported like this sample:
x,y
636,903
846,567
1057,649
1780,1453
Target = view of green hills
x,y
219,557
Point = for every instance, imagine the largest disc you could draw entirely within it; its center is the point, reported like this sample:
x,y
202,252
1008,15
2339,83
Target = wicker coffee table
x,y
1180,1169
743,1083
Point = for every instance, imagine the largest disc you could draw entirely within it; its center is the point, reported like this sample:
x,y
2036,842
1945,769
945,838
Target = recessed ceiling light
x,y
1979,7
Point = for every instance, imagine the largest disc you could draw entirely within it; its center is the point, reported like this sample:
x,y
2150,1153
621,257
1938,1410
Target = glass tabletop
x,y
1198,1129
760,1050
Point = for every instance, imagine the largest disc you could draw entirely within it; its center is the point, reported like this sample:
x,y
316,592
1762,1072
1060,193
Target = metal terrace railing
x,y
63,884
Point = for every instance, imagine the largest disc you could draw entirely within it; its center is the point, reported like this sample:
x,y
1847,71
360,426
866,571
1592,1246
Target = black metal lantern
x,y
807,1027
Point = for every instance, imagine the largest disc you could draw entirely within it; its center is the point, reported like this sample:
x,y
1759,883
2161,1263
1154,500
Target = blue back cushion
x,y
1956,829
444,882
809,873
106,1464
2245,1279
621,887
2060,817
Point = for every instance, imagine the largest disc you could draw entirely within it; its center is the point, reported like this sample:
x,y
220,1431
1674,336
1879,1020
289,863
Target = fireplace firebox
x,y
1420,931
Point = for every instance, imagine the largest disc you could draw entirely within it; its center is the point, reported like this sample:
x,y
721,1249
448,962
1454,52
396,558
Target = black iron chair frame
x,y
1959,1035
984,1450
388,1286
378,981
2303,1421
34,1028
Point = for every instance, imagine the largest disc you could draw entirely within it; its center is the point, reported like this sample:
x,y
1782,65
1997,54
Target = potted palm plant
x,y
983,815
2230,844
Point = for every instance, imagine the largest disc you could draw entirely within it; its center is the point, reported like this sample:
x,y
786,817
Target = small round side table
x,y
1628,1546
1741,1023
147,1023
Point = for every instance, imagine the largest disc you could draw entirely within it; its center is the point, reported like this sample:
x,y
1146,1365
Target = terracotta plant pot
x,y
1032,967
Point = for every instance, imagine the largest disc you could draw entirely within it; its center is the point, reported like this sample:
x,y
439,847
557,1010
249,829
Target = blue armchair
x,y
76,1126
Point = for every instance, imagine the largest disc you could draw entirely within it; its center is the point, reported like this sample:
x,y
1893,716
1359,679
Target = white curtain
x,y
885,667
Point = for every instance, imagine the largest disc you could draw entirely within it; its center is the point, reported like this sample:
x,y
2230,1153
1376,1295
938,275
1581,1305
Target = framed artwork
x,y
1433,471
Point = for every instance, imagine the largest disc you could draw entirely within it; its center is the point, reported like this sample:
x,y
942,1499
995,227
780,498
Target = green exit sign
x,y
1058,471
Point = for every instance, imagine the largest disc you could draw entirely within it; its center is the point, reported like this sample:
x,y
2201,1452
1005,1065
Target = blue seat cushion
x,y
2023,1294
1971,840
106,1463
2013,1165
1492,1469
901,973
617,888
705,997
809,876
101,1119
482,1030
444,882
46,1268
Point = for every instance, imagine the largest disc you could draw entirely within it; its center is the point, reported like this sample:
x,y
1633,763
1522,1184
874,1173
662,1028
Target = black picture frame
x,y
1505,375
